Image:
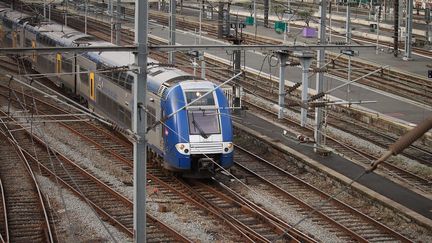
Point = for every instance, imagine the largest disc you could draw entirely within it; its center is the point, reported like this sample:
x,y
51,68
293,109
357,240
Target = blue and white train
x,y
189,142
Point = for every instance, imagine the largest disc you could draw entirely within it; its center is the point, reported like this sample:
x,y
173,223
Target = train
x,y
194,142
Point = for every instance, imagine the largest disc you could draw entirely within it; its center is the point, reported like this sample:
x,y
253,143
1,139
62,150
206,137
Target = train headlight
x,y
183,148
228,147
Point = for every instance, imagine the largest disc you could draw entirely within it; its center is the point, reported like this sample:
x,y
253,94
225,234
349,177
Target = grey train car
x,y
195,141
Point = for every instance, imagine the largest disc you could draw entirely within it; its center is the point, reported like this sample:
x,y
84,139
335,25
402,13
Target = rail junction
x,y
282,187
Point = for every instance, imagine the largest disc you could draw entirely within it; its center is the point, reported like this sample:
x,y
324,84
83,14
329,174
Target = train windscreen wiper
x,y
202,133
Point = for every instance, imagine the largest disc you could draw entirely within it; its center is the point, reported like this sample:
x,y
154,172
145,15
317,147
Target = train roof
x,y
65,36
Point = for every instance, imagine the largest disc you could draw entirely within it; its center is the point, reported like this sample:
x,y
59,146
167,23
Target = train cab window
x,y
208,100
203,122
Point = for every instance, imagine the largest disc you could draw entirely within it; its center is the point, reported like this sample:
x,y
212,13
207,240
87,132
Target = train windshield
x,y
207,100
203,122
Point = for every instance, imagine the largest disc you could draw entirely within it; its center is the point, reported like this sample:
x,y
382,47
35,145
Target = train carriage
x,y
195,140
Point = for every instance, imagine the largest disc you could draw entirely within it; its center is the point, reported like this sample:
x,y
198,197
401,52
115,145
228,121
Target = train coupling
x,y
206,164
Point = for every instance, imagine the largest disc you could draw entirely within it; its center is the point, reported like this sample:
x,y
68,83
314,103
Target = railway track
x,y
407,86
26,217
364,158
336,215
250,79
268,90
404,85
112,206
105,142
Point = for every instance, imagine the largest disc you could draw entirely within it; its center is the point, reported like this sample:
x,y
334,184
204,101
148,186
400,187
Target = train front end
x,y
197,138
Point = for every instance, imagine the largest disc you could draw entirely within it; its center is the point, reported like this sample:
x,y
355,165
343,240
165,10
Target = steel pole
x,y
348,24
139,124
255,18
408,30
320,77
349,75
66,16
118,24
172,29
200,20
305,62
111,9
283,59
85,16
289,9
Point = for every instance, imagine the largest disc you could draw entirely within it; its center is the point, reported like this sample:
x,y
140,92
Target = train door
x,y
34,56
14,38
2,34
92,85
58,64
153,115
23,35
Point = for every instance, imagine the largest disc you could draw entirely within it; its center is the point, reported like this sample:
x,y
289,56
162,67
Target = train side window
x,y
122,79
151,117
128,119
84,75
115,75
129,82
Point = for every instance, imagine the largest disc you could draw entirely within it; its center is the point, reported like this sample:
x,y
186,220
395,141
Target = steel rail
x,y
324,195
295,234
101,184
358,155
6,229
119,157
11,139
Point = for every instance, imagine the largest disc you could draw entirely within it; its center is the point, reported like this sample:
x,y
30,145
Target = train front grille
x,y
206,148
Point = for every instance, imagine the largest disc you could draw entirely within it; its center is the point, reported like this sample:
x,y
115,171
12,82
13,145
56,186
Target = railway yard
x,y
67,171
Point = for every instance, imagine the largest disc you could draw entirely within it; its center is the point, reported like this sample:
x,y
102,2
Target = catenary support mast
x,y
139,124
320,76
